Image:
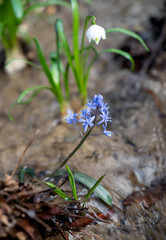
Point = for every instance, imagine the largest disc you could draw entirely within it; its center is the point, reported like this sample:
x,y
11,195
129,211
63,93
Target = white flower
x,y
95,32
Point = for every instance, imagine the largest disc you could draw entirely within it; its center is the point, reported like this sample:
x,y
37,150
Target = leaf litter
x,y
28,212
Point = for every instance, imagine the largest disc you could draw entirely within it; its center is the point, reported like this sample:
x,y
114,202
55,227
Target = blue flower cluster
x,y
89,115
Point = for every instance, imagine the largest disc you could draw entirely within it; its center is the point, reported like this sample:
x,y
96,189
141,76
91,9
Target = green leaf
x,y
72,182
43,61
66,80
54,69
10,110
49,184
55,88
94,187
130,33
113,50
57,191
47,3
9,25
75,11
101,192
122,53
36,89
18,9
61,34
28,62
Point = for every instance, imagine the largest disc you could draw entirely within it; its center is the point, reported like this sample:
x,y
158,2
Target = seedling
x,y
79,60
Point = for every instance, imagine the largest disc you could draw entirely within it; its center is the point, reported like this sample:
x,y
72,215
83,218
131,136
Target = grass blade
x,y
55,88
123,54
43,61
25,60
55,69
72,182
94,187
61,34
36,89
130,33
101,192
75,11
58,191
47,3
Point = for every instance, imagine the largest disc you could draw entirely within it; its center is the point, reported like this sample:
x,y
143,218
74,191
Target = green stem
x,y
76,148
83,35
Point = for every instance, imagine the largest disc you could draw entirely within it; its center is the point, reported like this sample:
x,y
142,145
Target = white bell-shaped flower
x,y
96,32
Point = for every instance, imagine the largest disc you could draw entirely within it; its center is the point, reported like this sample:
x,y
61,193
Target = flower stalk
x,y
89,118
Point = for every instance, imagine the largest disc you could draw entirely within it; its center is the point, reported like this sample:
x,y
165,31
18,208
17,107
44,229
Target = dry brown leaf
x,y
25,224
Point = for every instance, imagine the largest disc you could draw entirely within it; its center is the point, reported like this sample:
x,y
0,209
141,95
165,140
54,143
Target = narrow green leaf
x,y
25,102
9,25
94,187
47,3
130,33
49,184
75,12
61,34
57,191
43,61
18,9
36,89
122,53
25,60
66,80
10,110
55,88
113,50
55,69
101,192
72,182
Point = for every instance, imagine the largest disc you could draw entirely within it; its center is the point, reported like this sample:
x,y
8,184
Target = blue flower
x,y
105,118
71,119
87,122
98,100
90,115
85,112
91,105
104,108
107,133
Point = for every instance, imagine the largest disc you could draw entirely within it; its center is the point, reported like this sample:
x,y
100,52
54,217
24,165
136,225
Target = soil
x,y
134,157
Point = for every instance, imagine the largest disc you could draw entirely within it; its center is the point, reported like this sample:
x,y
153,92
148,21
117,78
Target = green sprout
x,y
12,14
79,60
92,184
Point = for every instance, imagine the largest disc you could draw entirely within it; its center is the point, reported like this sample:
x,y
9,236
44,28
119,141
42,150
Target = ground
x,y
134,157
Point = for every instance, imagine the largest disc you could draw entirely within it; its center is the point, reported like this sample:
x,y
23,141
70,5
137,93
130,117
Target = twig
x,y
32,214
21,157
